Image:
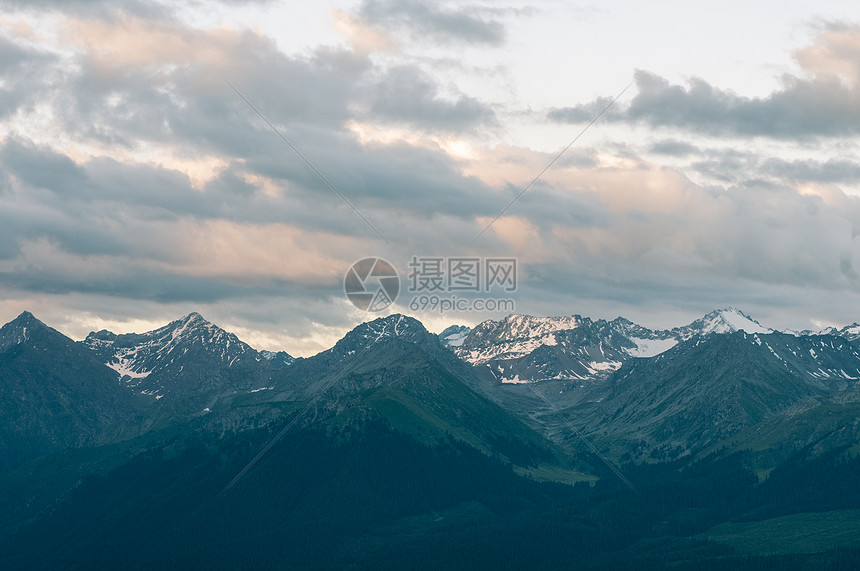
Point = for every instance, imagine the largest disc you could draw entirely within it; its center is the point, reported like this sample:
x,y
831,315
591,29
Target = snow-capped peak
x,y
726,320
850,332
516,327
166,350
515,336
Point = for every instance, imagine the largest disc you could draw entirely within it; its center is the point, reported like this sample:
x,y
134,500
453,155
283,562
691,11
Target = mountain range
x,y
522,348
645,393
544,412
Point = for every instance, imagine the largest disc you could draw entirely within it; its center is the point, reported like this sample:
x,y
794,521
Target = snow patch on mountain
x,y
125,368
454,335
506,350
650,347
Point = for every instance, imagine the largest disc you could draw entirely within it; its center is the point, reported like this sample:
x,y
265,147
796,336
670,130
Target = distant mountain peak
x,y
191,321
20,329
518,326
851,332
730,310
395,326
28,319
194,317
516,335
189,355
725,320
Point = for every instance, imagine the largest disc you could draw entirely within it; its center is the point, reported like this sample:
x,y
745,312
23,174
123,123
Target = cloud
x,y
405,94
22,69
728,166
704,246
674,148
429,21
158,9
733,166
41,167
364,38
822,101
822,106
156,190
808,170
160,81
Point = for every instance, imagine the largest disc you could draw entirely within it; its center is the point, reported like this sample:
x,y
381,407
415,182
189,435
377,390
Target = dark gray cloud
x,y
822,105
42,167
76,207
429,20
829,171
183,104
404,94
309,98
176,99
154,192
729,166
580,113
673,148
733,166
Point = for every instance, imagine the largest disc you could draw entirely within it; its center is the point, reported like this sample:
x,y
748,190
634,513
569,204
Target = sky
x,y
235,158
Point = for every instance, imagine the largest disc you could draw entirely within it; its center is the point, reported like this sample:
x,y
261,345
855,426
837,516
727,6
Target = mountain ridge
x,y
192,369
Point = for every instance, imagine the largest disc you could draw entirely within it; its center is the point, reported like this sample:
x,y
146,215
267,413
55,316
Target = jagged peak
x,y
192,327
849,331
28,319
21,328
193,319
194,316
193,323
518,326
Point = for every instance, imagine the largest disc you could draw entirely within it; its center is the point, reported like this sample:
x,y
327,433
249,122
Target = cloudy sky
x,y
136,185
